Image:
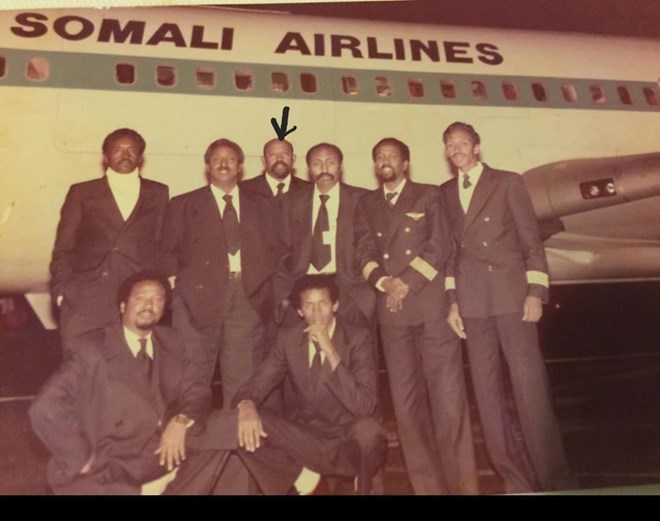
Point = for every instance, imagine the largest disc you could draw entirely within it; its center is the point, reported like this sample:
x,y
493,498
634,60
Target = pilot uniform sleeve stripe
x,y
538,277
450,283
424,268
369,267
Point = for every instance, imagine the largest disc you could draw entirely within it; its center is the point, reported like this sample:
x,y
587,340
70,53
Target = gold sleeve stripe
x,y
450,283
369,267
423,267
538,277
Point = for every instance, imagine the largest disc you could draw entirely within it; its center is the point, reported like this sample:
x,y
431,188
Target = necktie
x,y
280,191
466,181
320,251
390,196
144,360
315,369
230,222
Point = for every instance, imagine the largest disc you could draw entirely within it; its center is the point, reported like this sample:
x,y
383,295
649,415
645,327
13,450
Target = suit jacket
x,y
346,394
260,185
95,249
498,258
194,250
300,229
409,240
98,403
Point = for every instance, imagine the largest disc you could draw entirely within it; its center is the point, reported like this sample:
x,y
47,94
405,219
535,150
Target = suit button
x,y
199,286
115,248
462,245
207,262
406,229
104,274
408,252
487,219
386,256
378,234
485,244
490,268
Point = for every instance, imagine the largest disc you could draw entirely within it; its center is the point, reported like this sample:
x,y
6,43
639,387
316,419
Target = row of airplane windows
x,y
38,69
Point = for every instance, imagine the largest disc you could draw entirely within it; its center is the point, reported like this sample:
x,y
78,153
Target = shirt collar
x,y
333,193
474,173
397,190
133,341
219,193
272,182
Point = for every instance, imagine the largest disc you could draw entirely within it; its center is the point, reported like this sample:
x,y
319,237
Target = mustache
x,y
325,174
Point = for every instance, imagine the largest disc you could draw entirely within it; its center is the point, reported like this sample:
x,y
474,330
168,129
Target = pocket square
x,y
416,216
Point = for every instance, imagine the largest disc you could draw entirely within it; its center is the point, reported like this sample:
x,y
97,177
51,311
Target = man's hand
x,y
397,291
455,321
318,333
250,429
394,304
172,448
172,281
533,309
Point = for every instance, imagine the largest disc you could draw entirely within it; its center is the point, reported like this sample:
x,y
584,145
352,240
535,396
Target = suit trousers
x,y
505,343
425,369
357,450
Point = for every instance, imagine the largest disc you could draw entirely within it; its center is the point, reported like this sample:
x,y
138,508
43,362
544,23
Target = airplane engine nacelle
x,y
576,186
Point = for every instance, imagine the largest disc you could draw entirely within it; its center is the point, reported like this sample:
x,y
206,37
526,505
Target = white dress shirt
x,y
465,194
329,237
234,260
397,191
272,182
133,341
125,189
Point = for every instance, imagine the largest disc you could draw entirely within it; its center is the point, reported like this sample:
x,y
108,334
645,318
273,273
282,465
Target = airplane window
x,y
349,85
569,92
448,89
279,81
38,69
624,95
205,78
383,87
510,91
3,66
308,82
165,75
539,92
243,79
597,94
125,73
651,97
479,90
416,88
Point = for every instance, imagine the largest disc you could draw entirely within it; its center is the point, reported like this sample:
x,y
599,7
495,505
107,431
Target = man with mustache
x,y
109,228
321,235
278,177
497,282
124,409
219,250
402,248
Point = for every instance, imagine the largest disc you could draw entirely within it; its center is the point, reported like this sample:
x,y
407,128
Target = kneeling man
x,y
121,412
330,430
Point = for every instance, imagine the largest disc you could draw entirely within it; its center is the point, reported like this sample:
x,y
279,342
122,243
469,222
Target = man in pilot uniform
x,y
497,281
108,229
402,247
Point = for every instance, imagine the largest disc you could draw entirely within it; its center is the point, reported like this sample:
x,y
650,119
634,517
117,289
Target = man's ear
x,y
122,307
299,311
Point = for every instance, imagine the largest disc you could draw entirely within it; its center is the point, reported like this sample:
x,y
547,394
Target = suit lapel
x,y
304,227
454,207
144,199
344,225
399,211
481,194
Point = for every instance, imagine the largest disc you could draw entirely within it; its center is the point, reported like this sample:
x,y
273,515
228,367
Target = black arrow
x,y
281,131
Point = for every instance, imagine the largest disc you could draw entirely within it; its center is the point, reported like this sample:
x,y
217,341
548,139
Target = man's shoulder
x,y
499,175
354,192
254,182
90,185
353,332
156,186
191,196
448,185
168,339
298,183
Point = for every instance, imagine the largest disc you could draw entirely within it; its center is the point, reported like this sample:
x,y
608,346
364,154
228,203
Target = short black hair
x,y
332,147
308,282
466,127
224,143
403,148
126,287
123,132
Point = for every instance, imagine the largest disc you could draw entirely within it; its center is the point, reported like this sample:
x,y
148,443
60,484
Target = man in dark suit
x,y
219,250
496,284
402,248
116,415
278,177
109,228
321,237
331,430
